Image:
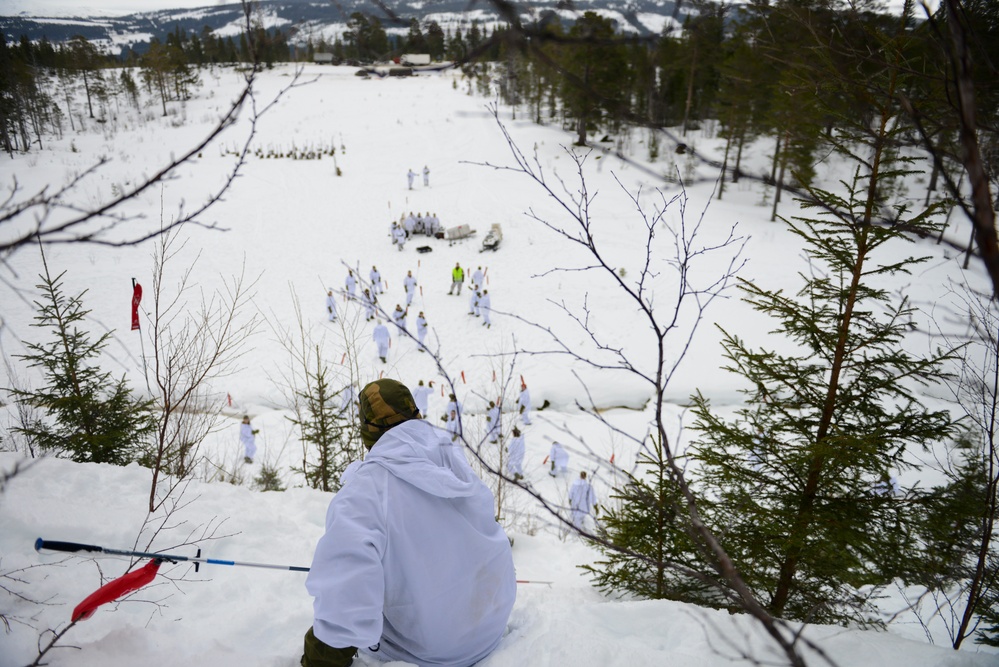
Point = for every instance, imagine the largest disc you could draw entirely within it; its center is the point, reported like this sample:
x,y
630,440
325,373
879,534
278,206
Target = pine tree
x,y
91,417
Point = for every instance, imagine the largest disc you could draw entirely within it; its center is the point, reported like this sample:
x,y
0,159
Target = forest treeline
x,y
762,69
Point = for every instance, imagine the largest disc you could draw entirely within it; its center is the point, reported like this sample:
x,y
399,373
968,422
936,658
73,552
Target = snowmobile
x,y
493,238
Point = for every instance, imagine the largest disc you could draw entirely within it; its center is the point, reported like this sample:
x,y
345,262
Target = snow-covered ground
x,y
294,225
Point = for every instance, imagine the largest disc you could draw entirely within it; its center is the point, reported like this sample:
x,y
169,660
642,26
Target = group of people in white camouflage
x,y
411,225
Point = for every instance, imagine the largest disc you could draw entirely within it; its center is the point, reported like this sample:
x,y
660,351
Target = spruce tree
x,y
89,416
327,433
648,551
800,481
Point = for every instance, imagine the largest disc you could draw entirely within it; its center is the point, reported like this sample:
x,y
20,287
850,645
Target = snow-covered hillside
x,y
294,225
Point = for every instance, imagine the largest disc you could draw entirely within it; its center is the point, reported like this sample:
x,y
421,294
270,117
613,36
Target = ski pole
x,y
74,547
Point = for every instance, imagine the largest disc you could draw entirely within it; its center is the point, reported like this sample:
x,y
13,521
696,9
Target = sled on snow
x,y
458,233
493,238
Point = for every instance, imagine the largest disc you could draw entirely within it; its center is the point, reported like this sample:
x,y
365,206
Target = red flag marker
x,y
494,376
612,458
545,461
136,298
114,589
463,378
344,357
228,397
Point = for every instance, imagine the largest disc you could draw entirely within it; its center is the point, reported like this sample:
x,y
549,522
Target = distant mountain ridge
x,y
314,19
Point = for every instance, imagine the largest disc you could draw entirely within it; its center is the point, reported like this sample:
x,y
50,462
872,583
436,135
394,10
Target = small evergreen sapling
x,y
89,416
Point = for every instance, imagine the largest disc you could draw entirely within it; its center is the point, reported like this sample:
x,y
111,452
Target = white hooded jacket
x,y
413,560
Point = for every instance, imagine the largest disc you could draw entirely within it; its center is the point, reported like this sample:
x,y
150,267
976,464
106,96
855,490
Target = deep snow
x,y
295,224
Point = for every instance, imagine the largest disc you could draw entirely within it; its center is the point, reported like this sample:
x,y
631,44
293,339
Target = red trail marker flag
x,y
136,298
114,589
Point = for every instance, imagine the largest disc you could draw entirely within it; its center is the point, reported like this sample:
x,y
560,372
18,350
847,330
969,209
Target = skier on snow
x,y
386,574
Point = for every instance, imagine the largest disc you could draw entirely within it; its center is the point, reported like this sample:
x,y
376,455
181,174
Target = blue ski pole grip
x,y
63,546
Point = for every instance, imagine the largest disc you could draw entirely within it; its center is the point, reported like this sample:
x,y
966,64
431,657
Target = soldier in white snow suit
x,y
409,225
421,329
387,573
409,178
409,284
485,306
452,406
515,455
381,337
422,395
398,236
473,302
426,176
247,438
349,400
582,501
431,225
478,277
350,283
453,424
493,422
376,280
559,458
399,316
331,305
524,403
369,300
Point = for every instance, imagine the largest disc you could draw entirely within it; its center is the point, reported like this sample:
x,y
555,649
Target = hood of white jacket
x,y
422,455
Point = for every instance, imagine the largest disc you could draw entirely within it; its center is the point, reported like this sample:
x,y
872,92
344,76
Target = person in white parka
x,y
582,501
413,565
515,455
524,401
381,337
331,305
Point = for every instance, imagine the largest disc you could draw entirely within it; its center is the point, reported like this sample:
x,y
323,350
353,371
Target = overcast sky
x,y
121,7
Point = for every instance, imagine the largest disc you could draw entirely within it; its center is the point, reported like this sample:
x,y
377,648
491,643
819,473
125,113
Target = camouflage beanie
x,y
384,404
